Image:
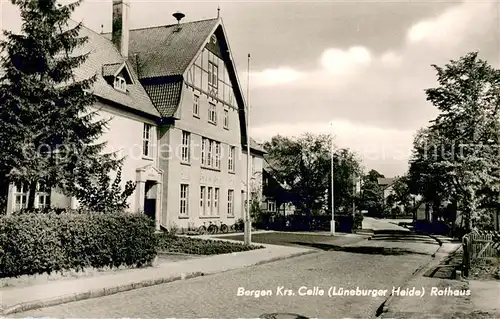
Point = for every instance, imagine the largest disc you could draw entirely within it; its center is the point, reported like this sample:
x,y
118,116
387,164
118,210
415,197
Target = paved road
x,y
382,224
216,296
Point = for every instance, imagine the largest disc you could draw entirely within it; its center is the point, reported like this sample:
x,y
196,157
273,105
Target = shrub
x,y
197,246
45,243
239,225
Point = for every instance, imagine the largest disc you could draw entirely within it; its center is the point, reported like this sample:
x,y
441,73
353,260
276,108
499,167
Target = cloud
x,y
391,59
336,67
344,62
273,77
450,27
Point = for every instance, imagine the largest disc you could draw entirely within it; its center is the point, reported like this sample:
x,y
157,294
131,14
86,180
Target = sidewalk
x,y
58,292
483,297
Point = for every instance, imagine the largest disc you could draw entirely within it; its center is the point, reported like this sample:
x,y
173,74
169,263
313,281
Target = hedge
x,y
45,243
198,246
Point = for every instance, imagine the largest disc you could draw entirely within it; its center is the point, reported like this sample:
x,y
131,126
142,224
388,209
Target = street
x,y
217,295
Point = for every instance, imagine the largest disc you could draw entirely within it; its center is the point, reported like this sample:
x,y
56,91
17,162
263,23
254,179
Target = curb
x,y
101,292
385,305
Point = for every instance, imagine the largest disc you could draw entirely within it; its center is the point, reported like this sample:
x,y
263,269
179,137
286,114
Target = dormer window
x,y
120,84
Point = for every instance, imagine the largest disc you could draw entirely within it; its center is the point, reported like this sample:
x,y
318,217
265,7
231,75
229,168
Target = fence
x,y
479,245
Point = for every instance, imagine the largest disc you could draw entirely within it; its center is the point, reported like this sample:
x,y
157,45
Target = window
x,y
21,196
120,84
217,155
210,154
230,164
212,113
183,211
213,75
43,196
226,119
209,200
216,202
203,191
203,151
230,202
186,147
146,140
196,106
271,206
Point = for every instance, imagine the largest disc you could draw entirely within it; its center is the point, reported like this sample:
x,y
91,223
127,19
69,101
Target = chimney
x,y
120,28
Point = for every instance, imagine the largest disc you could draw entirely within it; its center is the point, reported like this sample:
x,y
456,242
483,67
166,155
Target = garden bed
x,y
197,246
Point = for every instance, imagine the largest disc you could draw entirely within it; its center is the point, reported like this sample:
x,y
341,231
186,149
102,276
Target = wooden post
x,y
466,256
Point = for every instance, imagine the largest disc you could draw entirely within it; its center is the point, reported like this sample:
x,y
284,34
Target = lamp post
x,y
332,222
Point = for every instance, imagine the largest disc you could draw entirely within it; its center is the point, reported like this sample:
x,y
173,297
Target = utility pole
x,y
332,222
354,182
248,221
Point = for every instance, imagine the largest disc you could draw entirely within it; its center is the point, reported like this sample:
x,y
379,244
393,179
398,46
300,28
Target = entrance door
x,y
150,199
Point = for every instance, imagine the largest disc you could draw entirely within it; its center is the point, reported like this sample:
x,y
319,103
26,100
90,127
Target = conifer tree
x,y
48,132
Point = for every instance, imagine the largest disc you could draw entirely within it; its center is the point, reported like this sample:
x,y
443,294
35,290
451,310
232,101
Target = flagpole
x,y
248,222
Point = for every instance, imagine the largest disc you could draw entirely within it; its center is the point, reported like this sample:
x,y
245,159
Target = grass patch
x,y
197,246
486,269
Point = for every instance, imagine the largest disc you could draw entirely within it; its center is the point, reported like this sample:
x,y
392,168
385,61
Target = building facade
x,y
177,114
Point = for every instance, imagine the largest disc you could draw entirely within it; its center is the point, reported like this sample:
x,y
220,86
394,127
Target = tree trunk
x,y
31,195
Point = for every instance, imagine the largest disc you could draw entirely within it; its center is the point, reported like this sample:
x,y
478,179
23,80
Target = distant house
x,y
387,187
177,114
276,196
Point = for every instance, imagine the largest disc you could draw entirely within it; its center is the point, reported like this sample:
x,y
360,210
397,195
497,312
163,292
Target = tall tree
x,y
372,198
48,133
464,138
304,164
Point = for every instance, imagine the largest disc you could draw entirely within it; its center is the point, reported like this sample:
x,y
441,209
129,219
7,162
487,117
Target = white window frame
x,y
230,202
212,113
210,194
210,155
213,75
196,105
217,154
186,147
216,201
271,206
203,196
226,118
231,155
21,192
146,140
43,196
204,142
184,200
120,84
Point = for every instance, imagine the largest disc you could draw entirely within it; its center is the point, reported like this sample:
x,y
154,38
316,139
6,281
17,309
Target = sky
x,y
355,69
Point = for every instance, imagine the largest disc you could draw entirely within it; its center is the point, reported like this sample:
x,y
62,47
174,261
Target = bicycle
x,y
202,230
213,229
224,228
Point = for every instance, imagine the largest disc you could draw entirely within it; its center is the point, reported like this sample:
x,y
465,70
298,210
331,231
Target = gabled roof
x,y
102,52
111,69
162,55
386,182
168,50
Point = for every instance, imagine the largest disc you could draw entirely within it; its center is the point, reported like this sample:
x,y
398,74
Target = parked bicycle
x,y
212,229
202,230
224,228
